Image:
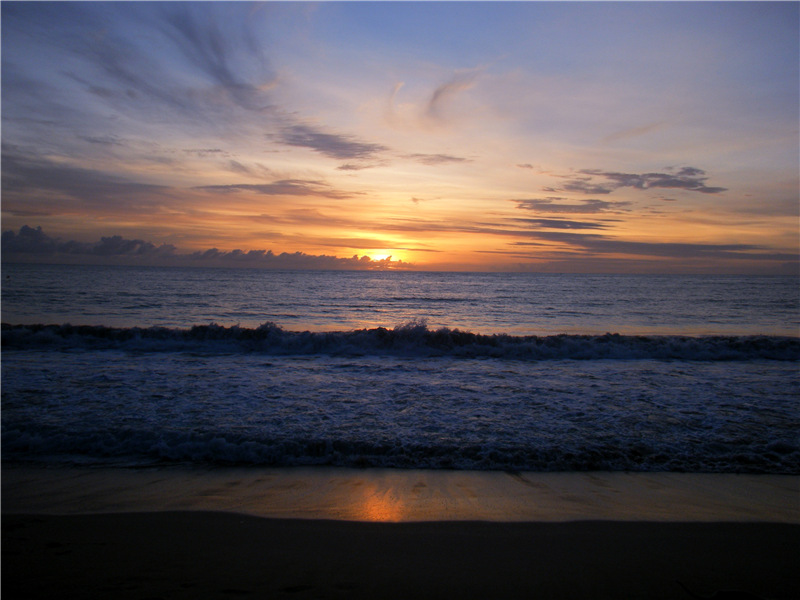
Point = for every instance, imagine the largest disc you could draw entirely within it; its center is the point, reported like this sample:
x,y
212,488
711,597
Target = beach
x,y
381,533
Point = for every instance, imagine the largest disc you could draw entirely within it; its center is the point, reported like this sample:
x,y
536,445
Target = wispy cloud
x,y
285,187
690,179
560,205
561,224
218,55
443,94
634,132
687,178
339,146
436,159
602,244
26,175
582,185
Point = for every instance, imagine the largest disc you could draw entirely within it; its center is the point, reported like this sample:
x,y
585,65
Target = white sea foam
x,y
412,339
126,407
434,370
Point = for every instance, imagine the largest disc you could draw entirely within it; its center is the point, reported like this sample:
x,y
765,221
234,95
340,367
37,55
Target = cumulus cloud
x,y
342,147
32,243
35,241
285,260
555,204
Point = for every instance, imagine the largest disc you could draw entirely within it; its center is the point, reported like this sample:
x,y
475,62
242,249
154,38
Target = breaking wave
x,y
412,339
139,448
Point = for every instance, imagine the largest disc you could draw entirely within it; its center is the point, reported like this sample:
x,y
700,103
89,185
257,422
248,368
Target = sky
x,y
499,136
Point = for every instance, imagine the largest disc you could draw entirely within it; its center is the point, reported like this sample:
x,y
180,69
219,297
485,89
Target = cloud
x,y
33,243
634,132
352,167
25,175
129,77
169,62
688,178
204,152
561,224
284,187
445,92
342,147
602,244
218,54
556,205
436,159
103,140
582,185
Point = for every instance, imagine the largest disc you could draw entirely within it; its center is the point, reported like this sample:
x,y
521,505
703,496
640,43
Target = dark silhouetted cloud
x,y
558,205
33,243
342,147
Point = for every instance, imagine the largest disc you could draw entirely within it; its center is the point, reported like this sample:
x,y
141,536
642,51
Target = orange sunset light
x,y
670,147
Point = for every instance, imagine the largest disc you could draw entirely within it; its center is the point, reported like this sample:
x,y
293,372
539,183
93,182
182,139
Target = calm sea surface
x,y
519,304
400,369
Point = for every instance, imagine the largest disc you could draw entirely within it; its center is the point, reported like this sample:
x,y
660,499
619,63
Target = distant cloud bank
x,y
34,245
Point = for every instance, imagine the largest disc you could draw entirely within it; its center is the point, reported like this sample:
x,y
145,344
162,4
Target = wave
x,y
140,448
412,339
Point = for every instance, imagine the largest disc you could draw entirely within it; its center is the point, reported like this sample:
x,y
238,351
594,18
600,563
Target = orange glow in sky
x,y
521,136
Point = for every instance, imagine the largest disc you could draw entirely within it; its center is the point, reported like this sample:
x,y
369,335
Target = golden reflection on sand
x,y
379,504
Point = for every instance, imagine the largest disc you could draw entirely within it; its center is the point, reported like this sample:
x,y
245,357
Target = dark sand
x,y
306,533
227,555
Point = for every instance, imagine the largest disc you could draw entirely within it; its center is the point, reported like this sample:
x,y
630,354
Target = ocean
x,y
140,366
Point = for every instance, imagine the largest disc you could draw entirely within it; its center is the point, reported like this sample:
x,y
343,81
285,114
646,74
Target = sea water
x,y
141,366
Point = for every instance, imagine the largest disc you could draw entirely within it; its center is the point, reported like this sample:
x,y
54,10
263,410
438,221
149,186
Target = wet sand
x,y
405,495
312,533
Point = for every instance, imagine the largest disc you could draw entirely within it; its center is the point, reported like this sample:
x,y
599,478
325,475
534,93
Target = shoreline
x,y
172,532
393,495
